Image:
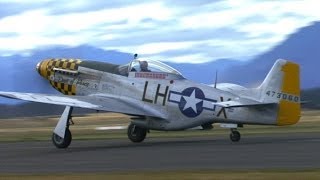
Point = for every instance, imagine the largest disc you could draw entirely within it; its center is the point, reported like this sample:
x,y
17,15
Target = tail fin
x,y
282,86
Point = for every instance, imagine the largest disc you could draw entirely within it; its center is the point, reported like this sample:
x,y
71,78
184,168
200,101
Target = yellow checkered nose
x,y
42,68
47,67
61,73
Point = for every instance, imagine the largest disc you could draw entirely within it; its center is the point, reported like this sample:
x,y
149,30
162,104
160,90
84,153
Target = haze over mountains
x,y
18,72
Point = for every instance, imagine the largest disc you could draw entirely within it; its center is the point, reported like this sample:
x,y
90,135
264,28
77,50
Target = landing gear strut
x,y
136,134
62,136
235,135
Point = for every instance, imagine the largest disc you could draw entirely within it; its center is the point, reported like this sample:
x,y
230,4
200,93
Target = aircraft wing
x,y
241,103
97,102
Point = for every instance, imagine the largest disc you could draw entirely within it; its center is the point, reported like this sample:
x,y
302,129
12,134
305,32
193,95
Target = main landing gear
x,y
235,135
136,134
62,136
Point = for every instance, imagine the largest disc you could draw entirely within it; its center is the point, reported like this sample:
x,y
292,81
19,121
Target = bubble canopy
x,y
146,65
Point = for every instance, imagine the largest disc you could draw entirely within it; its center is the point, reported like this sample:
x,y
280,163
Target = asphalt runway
x,y
285,151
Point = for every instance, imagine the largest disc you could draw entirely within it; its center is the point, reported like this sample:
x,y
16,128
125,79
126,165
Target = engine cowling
x,y
60,73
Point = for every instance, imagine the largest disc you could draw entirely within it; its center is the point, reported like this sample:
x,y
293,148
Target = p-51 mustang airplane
x,y
159,98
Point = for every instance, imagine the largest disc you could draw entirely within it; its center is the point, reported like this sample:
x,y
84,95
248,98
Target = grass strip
x,y
309,174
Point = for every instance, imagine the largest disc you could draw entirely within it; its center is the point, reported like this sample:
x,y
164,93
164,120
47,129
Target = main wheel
x,y
235,136
136,134
62,143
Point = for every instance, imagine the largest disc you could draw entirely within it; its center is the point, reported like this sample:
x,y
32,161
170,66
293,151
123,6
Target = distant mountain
x,y
311,97
301,47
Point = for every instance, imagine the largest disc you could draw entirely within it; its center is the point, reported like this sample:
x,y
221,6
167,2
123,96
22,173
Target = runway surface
x,y
285,151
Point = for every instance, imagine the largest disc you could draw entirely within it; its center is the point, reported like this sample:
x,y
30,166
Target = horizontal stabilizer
x,y
241,103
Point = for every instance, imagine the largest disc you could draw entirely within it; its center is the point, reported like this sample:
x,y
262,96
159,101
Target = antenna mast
x,y
216,80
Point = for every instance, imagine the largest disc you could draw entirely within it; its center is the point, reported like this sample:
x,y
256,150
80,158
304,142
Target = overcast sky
x,y
174,30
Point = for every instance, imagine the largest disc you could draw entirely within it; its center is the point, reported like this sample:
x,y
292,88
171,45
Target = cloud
x,y
194,31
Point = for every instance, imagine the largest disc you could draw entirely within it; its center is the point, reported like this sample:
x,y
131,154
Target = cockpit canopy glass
x,y
142,65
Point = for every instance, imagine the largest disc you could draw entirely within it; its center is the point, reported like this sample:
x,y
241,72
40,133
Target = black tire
x,y
235,136
62,143
136,134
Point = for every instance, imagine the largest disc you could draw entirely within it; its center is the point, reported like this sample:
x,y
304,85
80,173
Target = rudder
x,y
282,85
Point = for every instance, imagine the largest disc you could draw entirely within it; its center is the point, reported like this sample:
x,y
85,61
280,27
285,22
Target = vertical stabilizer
x,y
282,86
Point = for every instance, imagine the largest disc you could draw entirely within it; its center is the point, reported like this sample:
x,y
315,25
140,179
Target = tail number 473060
x,y
284,96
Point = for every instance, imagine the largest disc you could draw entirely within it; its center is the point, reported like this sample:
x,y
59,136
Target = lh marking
x,y
157,95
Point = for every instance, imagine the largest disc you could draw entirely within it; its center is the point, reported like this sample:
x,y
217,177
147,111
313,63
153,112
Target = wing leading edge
x,y
97,102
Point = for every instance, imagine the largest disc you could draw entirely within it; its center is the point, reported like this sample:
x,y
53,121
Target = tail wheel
x,y
136,134
62,143
235,136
